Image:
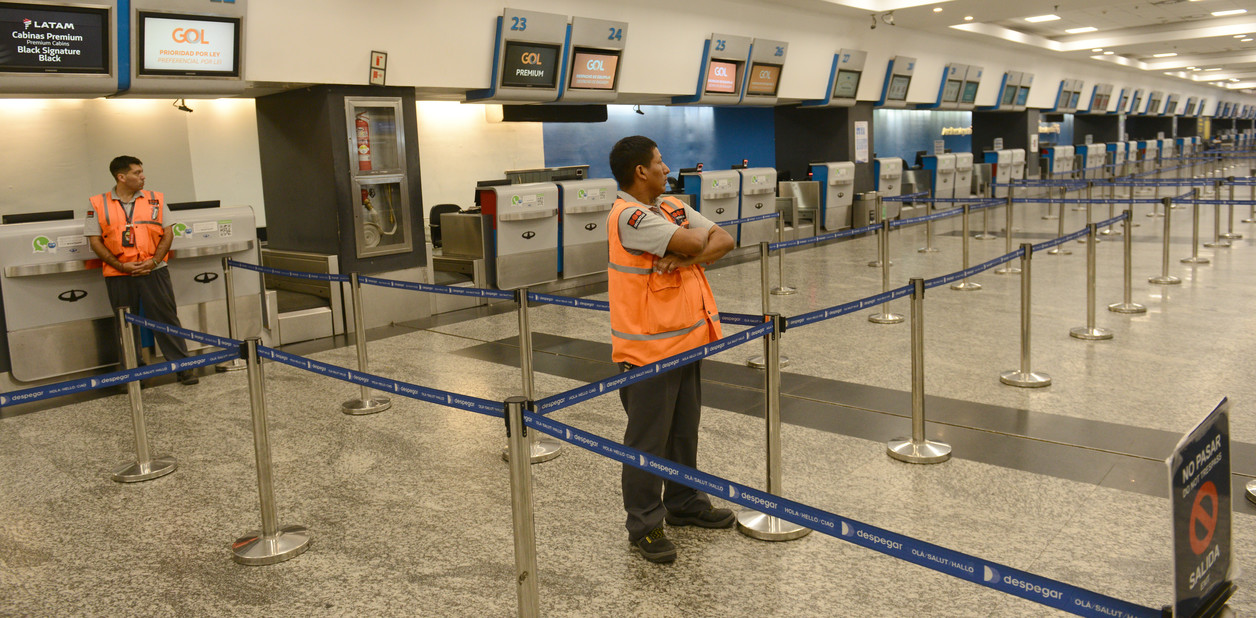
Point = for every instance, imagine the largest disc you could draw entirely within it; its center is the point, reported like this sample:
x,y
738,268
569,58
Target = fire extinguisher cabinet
x,y
340,175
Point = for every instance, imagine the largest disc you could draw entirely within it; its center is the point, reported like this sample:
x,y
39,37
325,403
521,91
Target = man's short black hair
x,y
627,154
122,165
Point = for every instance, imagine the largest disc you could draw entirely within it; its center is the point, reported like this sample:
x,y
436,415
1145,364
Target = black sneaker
x,y
655,547
187,378
710,518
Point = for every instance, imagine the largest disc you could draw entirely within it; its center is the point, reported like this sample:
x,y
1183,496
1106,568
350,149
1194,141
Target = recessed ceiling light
x,y
1165,55
1081,30
1239,36
1213,69
968,18
1247,40
1044,18
1234,79
1225,13
937,9
1108,53
1097,49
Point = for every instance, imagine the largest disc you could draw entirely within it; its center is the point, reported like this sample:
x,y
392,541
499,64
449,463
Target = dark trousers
x,y
663,416
155,294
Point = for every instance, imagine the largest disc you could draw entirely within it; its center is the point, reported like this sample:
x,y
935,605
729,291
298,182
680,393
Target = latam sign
x,y
189,46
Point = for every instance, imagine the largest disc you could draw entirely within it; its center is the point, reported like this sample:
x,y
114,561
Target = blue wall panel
x,y
717,137
902,132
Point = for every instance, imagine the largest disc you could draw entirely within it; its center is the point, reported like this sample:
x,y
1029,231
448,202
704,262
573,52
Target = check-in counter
x,y
1001,167
1148,154
799,203
941,169
583,206
1018,164
963,175
837,193
524,238
715,194
202,238
889,176
758,197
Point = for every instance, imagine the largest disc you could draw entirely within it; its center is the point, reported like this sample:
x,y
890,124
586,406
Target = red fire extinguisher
x,y
364,142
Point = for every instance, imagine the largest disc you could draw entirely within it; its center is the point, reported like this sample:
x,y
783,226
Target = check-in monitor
x,y
970,92
722,77
1022,96
846,84
593,69
1009,94
764,79
530,65
44,38
191,45
898,88
950,92
1074,100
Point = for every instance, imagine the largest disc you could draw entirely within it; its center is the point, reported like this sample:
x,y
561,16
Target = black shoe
x,y
187,378
655,547
710,518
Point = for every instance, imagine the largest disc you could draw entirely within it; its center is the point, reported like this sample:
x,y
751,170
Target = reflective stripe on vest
x,y
146,233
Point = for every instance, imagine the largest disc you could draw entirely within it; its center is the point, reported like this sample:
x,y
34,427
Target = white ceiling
x,y
1133,30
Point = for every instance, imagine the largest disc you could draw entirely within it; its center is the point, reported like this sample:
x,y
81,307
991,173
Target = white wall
x,y
458,146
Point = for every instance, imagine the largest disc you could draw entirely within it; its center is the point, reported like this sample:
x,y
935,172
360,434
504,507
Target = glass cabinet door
x,y
376,141
381,218
377,167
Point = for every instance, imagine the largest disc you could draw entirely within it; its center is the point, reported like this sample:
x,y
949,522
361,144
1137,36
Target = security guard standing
x,y
128,230
661,305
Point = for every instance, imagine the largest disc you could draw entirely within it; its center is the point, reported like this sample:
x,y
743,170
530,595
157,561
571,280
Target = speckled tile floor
x,y
410,509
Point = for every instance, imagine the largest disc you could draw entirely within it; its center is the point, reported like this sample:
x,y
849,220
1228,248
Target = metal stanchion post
x,y
1090,332
1195,259
985,215
1111,203
1165,278
1059,249
235,364
1130,207
1026,377
966,285
929,248
1217,241
1251,195
885,317
1230,235
542,447
753,523
880,218
366,403
1050,201
782,289
272,543
145,467
1090,202
521,508
1008,269
917,449
758,361
1128,305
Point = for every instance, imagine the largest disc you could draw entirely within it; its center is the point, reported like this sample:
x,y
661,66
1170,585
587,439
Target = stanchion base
x,y
757,361
235,364
984,236
885,318
1251,491
1155,214
1090,334
1008,270
1225,244
1109,233
136,471
544,448
1232,236
1248,221
253,549
1022,379
927,250
784,290
1165,280
757,525
966,286
1127,308
927,452
1196,260
360,407
1050,217
1059,250
877,263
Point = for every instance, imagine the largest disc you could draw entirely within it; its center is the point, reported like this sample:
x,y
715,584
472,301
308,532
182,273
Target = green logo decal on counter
x,y
41,244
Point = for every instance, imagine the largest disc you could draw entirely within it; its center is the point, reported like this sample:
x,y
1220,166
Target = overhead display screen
x,y
41,38
1022,96
189,45
1134,106
898,88
950,93
764,79
1153,107
846,85
1074,100
721,77
970,92
530,65
594,70
1190,109
1009,95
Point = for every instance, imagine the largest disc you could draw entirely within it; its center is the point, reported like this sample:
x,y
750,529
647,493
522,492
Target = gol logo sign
x,y
191,35
595,65
531,58
720,71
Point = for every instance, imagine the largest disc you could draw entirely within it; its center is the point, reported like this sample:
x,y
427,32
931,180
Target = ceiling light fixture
x,y
1164,55
1097,49
1213,69
968,18
1247,40
1230,12
1108,53
1036,19
937,9
1081,30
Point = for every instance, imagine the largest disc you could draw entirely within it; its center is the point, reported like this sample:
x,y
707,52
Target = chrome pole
x,y
1089,332
1165,278
1050,201
1128,306
1230,235
929,248
1251,195
145,467
1195,259
750,522
521,509
366,403
272,543
235,364
1090,202
1059,249
1217,240
966,285
542,447
1008,269
782,289
917,449
1111,202
879,218
1026,377
1130,207
885,317
1251,491
985,215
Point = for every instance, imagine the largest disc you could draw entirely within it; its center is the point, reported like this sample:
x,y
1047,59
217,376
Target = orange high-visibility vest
x,y
656,315
145,223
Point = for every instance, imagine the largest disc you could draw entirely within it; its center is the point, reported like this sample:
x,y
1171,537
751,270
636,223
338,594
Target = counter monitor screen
x,y
1153,107
194,45
1190,110
594,70
898,88
970,92
43,38
1120,107
1009,95
529,65
1022,96
722,77
764,79
846,85
1134,106
1074,100
950,93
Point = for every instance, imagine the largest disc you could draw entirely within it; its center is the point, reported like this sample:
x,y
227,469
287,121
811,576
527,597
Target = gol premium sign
x,y
1199,479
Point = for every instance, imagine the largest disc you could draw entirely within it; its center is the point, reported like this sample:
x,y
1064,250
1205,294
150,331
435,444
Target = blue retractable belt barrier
x,y
50,391
771,215
1059,241
786,244
931,217
973,270
437,289
295,274
207,339
843,309
737,319
993,575
904,198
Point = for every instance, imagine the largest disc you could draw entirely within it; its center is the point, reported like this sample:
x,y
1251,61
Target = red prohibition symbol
x,y
1202,520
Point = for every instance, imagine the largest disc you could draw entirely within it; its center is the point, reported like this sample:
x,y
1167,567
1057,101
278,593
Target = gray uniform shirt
x,y
651,232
